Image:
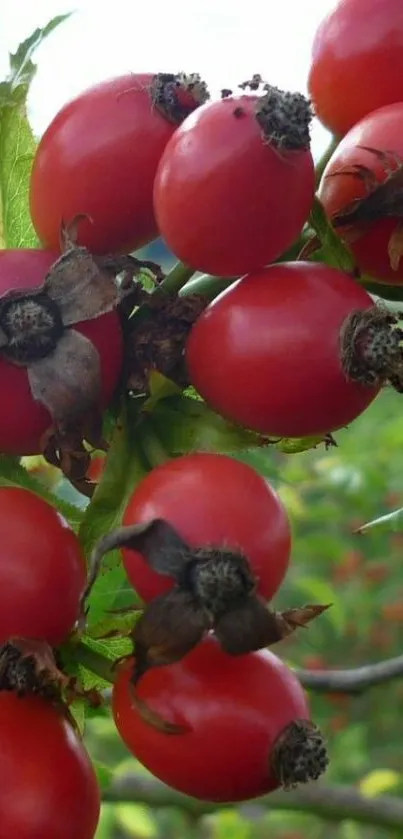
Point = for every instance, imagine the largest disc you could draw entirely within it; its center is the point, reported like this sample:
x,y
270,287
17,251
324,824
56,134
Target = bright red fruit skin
x,y
42,569
99,157
357,61
22,420
226,201
48,788
234,710
380,130
96,468
212,499
265,353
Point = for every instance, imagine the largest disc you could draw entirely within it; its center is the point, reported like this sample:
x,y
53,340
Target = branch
x,y
354,680
335,804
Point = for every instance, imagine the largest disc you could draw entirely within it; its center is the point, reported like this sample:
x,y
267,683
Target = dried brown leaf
x,y
170,627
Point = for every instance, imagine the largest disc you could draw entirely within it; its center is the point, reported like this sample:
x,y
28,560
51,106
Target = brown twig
x,y
354,680
337,804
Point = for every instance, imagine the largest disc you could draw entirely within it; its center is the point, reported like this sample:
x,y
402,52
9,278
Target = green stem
x,y
95,662
152,448
207,286
177,278
324,160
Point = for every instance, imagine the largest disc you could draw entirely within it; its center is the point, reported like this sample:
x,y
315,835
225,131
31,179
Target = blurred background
x,y
226,41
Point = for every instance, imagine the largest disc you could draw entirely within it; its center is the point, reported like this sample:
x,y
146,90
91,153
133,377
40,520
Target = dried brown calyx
x,y
156,340
383,199
299,754
37,332
176,95
283,117
32,668
372,347
29,667
215,591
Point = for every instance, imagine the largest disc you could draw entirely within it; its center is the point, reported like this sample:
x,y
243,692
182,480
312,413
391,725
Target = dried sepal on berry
x,y
29,667
254,626
32,668
170,627
63,367
372,347
215,591
152,718
175,95
383,199
157,342
299,754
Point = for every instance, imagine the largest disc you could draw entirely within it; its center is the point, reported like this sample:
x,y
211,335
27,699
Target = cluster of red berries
x,y
289,349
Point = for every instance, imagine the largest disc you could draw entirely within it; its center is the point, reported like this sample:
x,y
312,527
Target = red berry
x,y
266,353
42,569
230,195
361,192
212,500
357,61
239,740
99,157
48,788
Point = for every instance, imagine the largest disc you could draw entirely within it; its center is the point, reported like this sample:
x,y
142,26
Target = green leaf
x,y
332,251
77,709
386,292
91,661
184,424
136,821
124,468
13,474
390,523
379,781
296,445
17,143
160,388
104,774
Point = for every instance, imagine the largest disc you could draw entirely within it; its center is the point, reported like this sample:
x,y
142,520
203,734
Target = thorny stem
x,y
177,278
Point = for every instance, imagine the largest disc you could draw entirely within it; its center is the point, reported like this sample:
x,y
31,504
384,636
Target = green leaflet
x,y
390,523
332,250
124,468
17,143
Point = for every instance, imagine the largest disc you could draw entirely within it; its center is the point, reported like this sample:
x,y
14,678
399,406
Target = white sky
x,y
225,40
